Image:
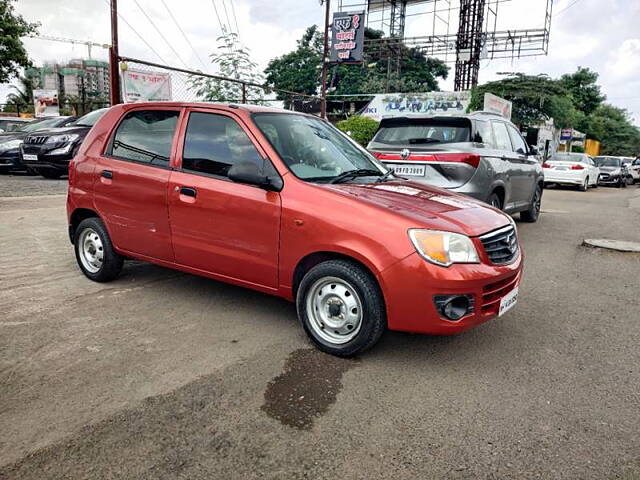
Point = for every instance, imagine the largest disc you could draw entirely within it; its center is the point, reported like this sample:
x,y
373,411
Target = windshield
x,y
38,124
89,119
313,149
607,161
423,131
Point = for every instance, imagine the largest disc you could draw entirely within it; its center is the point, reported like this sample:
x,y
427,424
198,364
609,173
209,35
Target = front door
x,y
525,181
217,225
130,188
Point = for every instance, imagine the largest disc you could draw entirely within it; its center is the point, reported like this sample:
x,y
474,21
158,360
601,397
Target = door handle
x,y
188,191
107,174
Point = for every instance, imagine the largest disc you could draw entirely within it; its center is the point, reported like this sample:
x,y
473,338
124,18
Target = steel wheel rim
x,y
495,203
537,202
91,250
334,310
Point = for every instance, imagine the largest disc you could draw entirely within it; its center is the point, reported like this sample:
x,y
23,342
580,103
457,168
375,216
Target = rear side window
x,y
484,134
145,136
213,143
423,131
503,142
517,141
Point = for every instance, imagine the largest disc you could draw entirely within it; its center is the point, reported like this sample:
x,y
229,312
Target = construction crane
x,y
88,43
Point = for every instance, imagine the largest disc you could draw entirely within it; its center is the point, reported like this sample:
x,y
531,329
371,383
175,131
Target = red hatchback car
x,y
284,203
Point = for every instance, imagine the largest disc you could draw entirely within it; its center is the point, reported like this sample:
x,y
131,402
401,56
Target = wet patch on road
x,y
306,389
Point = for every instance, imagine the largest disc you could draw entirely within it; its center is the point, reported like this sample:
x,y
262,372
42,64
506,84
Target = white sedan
x,y
571,169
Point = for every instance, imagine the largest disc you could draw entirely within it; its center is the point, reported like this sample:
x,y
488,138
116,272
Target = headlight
x,y
443,248
10,144
70,137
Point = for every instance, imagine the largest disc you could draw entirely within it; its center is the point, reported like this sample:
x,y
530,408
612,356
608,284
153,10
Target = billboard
x,y
495,104
45,103
145,86
406,104
347,37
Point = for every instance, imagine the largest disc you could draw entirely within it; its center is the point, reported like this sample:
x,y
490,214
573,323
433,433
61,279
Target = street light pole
x,y
325,55
114,73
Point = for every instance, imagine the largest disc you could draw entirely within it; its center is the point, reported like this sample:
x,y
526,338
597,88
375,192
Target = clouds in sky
x,y
602,35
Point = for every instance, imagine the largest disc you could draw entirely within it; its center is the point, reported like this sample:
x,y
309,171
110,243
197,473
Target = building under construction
x,y
456,31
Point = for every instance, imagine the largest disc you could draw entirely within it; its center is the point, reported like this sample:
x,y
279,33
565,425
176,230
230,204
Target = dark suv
x,y
478,154
49,151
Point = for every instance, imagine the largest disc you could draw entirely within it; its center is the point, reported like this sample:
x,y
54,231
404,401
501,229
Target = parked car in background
x,y
479,154
286,204
49,151
633,171
10,124
568,168
10,141
635,166
612,171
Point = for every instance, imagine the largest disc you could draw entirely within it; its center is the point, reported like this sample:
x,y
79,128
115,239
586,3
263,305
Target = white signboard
x,y
45,103
495,104
386,105
145,86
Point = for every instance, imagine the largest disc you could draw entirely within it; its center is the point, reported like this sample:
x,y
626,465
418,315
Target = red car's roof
x,y
245,107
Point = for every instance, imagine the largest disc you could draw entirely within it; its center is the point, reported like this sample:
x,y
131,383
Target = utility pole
x,y
325,58
114,71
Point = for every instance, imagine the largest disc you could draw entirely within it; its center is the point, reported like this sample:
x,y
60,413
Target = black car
x,y
49,152
10,141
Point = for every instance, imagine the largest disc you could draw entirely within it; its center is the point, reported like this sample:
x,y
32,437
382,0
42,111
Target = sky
x,y
603,35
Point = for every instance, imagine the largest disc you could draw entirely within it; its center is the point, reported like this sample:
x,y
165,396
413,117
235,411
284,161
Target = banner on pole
x,y
145,86
45,103
406,104
347,37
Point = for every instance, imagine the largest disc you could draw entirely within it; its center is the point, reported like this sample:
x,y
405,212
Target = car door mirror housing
x,y
532,150
249,173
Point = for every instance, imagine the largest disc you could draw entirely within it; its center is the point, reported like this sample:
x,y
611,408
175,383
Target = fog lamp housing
x,y
454,307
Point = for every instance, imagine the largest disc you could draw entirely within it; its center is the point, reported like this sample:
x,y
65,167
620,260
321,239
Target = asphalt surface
x,y
165,375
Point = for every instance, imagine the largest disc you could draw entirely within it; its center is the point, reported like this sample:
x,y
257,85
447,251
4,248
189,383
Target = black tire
x,y
111,264
532,214
373,315
585,186
48,173
495,201
622,183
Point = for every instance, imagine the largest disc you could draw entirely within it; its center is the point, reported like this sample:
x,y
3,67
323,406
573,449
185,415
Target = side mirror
x,y
249,173
533,151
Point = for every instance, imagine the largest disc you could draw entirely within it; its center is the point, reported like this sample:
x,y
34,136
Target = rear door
x,y
220,226
130,188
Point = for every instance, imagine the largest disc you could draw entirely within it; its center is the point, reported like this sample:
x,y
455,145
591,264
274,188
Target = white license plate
x,y
408,170
562,168
29,156
508,301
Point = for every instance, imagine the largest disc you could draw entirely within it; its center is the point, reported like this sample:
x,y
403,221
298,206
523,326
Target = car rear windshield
x,y
607,161
423,131
567,157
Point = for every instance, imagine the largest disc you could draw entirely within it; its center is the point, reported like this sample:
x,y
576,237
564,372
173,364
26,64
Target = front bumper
x,y
45,160
606,179
410,285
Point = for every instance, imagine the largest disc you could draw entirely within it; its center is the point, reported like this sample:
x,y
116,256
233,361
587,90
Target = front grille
x,y
35,139
493,293
501,245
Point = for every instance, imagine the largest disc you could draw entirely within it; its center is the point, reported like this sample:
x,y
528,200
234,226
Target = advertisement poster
x,y
406,104
45,103
347,37
145,86
495,104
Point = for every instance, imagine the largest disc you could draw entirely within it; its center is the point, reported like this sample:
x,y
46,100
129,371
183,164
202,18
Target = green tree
x,y
234,62
361,129
583,87
21,97
13,55
613,128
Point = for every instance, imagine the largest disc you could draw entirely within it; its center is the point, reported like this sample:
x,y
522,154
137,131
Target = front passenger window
x,y
518,142
213,143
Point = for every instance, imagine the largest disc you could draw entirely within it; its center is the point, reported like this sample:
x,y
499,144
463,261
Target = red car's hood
x,y
428,207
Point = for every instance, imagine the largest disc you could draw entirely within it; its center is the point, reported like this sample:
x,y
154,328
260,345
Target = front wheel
x,y
494,201
341,308
533,212
94,252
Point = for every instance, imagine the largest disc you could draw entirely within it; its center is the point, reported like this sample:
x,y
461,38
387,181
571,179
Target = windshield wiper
x,y
423,140
386,176
360,172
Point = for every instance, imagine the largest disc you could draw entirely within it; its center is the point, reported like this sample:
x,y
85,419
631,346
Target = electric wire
x,y
184,35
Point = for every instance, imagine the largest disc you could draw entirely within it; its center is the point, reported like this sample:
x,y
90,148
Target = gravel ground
x,y
167,375
15,185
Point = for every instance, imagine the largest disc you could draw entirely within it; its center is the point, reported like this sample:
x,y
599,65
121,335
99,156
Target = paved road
x,y
166,375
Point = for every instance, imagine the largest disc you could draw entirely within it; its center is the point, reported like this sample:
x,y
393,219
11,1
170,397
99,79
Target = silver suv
x,y
478,154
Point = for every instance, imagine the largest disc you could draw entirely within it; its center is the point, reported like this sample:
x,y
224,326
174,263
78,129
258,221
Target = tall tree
x,y
21,96
234,62
13,55
583,87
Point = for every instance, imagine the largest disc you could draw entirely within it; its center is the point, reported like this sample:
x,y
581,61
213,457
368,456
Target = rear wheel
x,y
533,212
585,186
47,173
495,201
341,308
94,252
